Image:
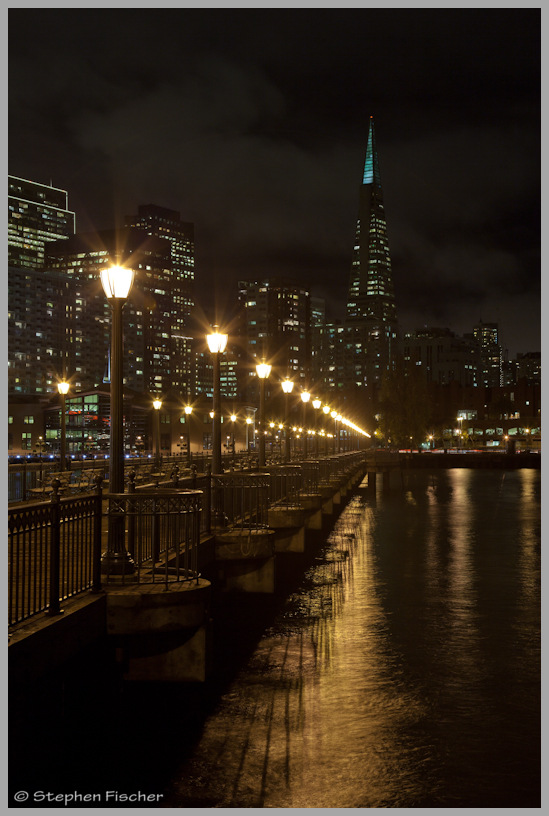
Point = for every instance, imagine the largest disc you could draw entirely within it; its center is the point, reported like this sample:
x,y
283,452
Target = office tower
x,y
39,309
490,354
371,320
275,323
37,214
147,315
165,223
37,303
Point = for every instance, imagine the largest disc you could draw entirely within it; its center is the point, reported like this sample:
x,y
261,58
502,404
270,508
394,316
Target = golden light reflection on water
x,y
380,685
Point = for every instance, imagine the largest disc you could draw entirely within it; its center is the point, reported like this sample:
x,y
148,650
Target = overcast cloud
x,y
253,126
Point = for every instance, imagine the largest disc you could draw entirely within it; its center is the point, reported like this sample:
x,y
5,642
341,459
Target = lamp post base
x,y
117,563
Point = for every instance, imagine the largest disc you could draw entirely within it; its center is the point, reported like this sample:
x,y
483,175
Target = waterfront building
x,y
371,318
442,356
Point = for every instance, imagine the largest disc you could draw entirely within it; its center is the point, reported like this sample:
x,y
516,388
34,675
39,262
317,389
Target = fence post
x,y
208,499
131,514
54,607
96,556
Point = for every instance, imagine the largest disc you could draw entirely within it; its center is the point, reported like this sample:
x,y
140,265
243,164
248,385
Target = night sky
x,y
253,124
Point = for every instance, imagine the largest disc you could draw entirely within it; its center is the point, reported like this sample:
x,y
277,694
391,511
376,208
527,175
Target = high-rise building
x,y
490,354
147,315
371,319
37,214
165,223
38,303
275,325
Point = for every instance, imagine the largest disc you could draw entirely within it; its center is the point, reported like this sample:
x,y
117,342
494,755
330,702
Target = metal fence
x,y
162,533
240,500
54,551
55,546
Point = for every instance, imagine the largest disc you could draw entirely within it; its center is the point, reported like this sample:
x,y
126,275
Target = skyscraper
x,y
39,304
165,223
37,214
275,325
371,320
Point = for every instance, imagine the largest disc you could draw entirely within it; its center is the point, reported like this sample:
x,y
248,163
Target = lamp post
x,y
157,405
316,405
117,282
326,411
263,370
338,432
233,420
217,342
188,412
287,387
248,423
63,388
305,397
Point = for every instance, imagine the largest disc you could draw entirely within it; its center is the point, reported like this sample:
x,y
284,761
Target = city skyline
x,y
263,147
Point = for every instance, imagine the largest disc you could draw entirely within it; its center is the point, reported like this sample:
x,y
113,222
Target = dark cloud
x,y
252,124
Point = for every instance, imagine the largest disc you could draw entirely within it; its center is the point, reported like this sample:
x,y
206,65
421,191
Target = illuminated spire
x,y
371,165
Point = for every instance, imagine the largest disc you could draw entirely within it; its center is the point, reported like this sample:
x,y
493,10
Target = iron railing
x,y
162,529
240,500
54,551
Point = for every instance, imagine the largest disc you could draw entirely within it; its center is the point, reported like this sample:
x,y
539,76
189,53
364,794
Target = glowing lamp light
x,y
157,404
333,414
305,396
263,370
326,409
63,387
248,421
117,282
217,341
188,410
287,386
233,417
316,404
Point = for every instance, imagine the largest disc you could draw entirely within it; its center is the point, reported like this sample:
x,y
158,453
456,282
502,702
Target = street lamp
x,y
326,411
263,370
338,432
63,388
117,282
305,397
217,342
157,405
316,405
188,412
233,420
248,423
287,387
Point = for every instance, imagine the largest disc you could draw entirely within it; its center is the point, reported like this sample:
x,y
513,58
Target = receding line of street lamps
x,y
117,282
